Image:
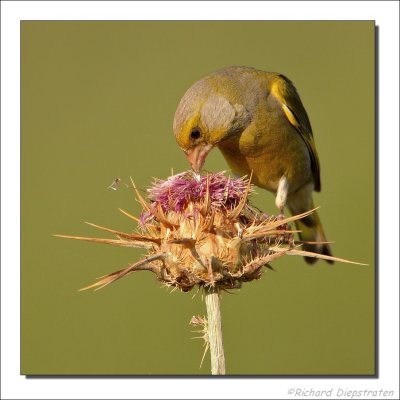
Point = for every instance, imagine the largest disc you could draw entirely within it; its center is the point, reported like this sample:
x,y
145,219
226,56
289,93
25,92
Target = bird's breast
x,y
269,153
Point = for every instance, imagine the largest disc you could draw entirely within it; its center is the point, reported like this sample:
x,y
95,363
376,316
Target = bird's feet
x,y
281,215
288,237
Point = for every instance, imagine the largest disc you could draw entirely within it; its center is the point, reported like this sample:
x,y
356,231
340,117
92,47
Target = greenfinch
x,y
258,122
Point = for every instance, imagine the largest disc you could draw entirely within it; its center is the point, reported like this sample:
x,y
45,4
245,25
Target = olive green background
x,y
98,100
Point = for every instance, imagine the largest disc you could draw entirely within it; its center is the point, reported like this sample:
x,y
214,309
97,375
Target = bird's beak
x,y
197,156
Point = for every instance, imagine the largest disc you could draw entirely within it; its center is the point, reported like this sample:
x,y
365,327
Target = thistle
x,y
203,231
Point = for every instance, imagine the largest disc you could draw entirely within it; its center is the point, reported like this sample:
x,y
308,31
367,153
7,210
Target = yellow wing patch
x,y
289,115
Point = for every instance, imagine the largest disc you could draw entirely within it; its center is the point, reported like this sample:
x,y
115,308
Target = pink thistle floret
x,y
176,192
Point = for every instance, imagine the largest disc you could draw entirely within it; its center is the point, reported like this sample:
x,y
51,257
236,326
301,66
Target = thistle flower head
x,y
203,231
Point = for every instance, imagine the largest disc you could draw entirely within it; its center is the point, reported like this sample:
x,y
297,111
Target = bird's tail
x,y
312,231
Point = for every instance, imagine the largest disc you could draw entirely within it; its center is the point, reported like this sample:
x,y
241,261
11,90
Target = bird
x,y
258,122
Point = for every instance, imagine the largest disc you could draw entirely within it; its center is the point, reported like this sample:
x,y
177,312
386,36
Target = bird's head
x,y
206,116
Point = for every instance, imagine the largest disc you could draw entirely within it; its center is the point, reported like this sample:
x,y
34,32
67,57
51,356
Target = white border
x,y
386,15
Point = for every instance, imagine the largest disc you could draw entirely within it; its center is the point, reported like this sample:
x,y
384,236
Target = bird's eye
x,y
195,134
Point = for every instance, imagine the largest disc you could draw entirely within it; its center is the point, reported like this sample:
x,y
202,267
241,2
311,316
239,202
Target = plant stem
x,y
215,331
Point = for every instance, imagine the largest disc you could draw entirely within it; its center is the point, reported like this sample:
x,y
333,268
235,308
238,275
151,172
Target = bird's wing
x,y
285,92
